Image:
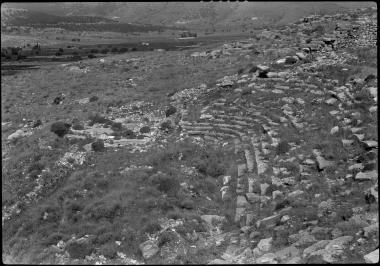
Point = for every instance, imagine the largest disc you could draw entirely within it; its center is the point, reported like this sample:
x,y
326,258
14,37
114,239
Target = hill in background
x,y
194,15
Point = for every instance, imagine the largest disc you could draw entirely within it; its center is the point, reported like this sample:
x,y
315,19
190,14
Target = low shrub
x,y
174,214
103,238
253,69
104,51
171,110
93,98
79,250
165,183
290,60
166,237
104,210
76,124
98,146
128,134
145,129
116,126
283,147
97,118
151,227
187,204
52,239
109,250
76,57
166,126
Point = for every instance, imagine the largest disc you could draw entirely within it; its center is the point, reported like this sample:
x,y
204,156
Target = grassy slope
x,y
111,195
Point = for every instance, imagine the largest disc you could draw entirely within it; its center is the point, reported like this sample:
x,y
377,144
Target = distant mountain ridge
x,y
193,14
23,17
17,17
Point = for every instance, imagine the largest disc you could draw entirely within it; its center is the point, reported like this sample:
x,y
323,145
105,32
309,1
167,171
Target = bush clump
x,y
171,110
210,166
166,126
98,145
97,118
93,98
109,250
253,69
187,204
76,57
104,51
290,60
60,128
165,183
116,126
37,123
166,237
151,227
76,124
283,147
128,134
145,129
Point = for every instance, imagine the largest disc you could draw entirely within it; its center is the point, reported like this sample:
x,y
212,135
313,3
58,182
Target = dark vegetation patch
x,y
60,128
100,201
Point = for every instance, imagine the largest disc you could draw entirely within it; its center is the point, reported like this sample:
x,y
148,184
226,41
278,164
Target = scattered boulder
x,y
334,130
302,238
366,176
372,257
301,55
269,258
335,248
265,244
322,163
315,247
19,134
149,248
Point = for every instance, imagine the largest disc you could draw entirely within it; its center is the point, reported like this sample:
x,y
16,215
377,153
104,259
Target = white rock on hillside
x,y
372,257
371,175
148,249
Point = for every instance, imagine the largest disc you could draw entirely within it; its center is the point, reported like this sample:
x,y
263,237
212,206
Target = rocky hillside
x,y
264,151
